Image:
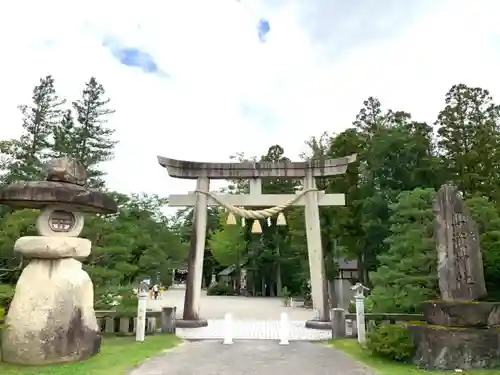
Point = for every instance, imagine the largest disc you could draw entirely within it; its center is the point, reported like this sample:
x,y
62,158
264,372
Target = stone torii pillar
x,y
308,171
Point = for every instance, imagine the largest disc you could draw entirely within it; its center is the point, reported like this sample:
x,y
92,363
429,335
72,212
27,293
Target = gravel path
x,y
252,358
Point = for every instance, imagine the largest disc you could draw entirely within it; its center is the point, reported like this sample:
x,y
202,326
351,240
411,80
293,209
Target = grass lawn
x,y
117,355
385,367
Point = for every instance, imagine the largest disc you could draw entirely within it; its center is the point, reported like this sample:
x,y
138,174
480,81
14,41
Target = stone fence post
x,y
359,296
338,323
168,320
142,297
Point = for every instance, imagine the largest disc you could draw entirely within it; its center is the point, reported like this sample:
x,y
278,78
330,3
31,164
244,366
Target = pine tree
x,y
27,154
92,140
407,275
469,140
485,213
64,136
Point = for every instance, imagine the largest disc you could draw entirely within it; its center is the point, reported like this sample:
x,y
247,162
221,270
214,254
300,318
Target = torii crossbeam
x,y
311,199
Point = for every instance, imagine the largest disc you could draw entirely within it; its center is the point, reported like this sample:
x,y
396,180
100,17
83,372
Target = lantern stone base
x,y
51,318
53,247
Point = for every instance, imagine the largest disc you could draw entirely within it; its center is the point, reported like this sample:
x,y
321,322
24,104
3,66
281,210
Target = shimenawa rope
x,y
256,214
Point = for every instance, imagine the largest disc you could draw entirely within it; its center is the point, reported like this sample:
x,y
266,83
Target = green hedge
x,y
6,295
220,289
391,341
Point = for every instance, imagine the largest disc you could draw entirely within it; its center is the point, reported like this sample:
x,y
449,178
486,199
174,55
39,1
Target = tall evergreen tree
x,y
92,139
28,153
407,275
469,140
64,136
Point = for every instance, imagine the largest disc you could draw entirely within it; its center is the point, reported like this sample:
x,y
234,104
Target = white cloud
x,y
218,66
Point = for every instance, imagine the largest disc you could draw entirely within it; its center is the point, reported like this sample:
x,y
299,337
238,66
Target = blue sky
x,y
221,91
133,57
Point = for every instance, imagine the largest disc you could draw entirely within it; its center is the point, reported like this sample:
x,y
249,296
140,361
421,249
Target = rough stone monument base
x,y
184,323
463,313
51,318
450,348
458,335
318,324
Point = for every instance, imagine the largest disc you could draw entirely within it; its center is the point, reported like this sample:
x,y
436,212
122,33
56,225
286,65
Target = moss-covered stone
x,y
462,313
449,348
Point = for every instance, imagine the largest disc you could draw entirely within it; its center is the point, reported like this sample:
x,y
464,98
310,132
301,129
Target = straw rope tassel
x,y
231,220
256,228
281,221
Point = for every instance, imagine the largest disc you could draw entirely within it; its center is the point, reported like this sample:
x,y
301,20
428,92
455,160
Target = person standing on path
x,y
156,290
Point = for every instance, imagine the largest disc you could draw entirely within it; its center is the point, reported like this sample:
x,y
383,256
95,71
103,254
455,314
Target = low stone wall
x,y
372,319
112,322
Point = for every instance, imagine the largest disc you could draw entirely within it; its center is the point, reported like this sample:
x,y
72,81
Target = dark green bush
x,y
2,317
368,305
113,297
6,295
220,289
391,341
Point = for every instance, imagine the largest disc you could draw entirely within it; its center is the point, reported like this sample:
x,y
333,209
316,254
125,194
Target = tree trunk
x,y
189,313
272,284
333,300
279,281
361,269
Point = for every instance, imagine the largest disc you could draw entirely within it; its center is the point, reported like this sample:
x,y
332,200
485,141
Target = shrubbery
x,y
119,298
391,341
2,317
6,295
220,289
368,306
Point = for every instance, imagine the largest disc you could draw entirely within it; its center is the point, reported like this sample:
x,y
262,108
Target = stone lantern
x,y
51,318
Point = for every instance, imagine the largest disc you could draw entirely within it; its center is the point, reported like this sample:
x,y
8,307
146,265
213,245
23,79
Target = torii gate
x,y
310,198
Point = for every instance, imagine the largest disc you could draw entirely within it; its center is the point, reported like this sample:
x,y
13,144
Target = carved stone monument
x,y
460,264
51,318
461,332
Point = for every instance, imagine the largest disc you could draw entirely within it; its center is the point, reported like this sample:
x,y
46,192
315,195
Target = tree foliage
x,y
228,243
407,274
386,224
400,163
139,241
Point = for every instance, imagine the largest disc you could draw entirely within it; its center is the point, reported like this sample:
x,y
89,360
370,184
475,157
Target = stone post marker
x,y
142,299
338,323
359,296
51,318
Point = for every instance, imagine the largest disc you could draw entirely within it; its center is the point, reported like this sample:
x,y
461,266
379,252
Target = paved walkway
x,y
254,330
255,318
215,307
252,358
